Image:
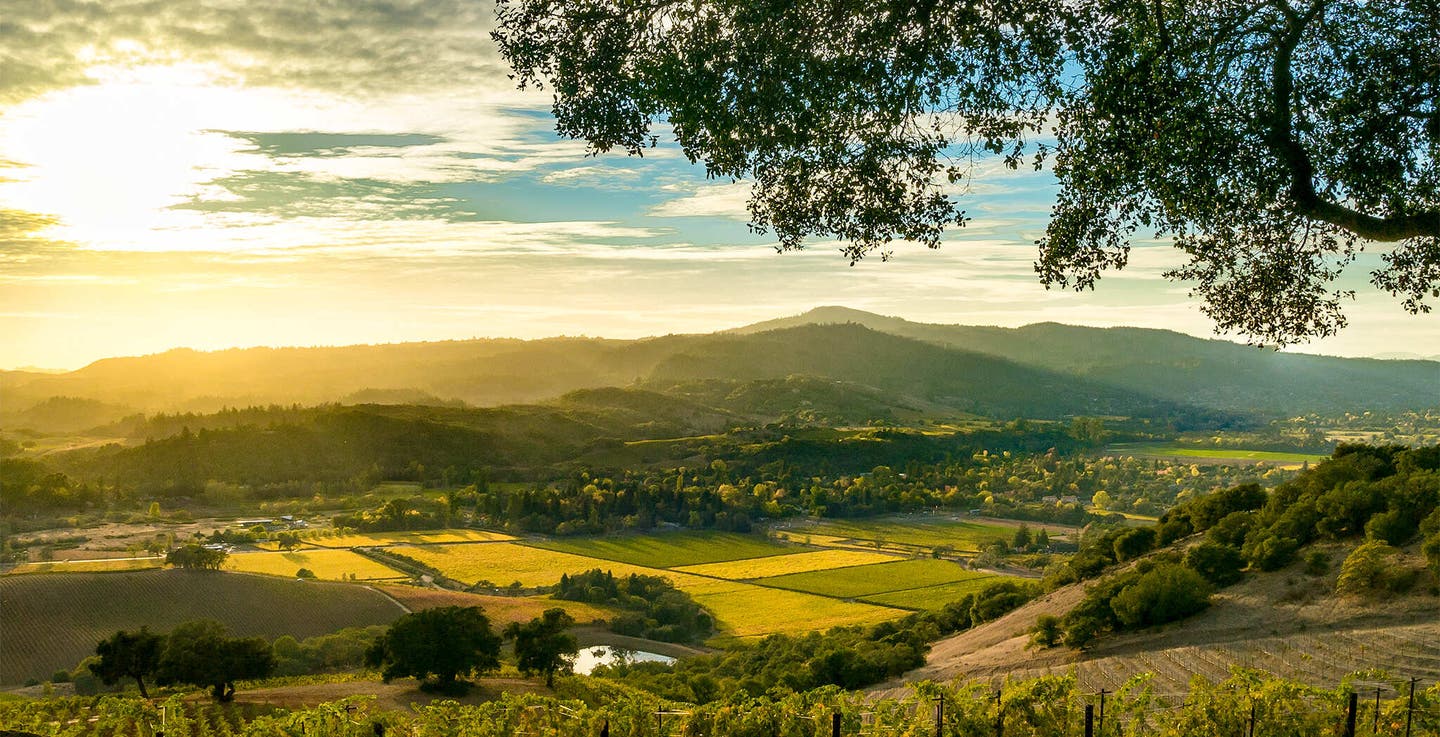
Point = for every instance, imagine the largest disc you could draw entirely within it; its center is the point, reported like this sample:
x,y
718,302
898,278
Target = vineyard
x,y
53,621
332,565
1245,703
670,550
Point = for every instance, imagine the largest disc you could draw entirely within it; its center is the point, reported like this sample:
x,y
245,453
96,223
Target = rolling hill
x,y
1039,371
1217,374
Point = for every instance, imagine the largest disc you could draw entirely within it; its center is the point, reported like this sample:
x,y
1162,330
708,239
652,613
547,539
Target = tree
x,y
287,540
1220,564
195,556
1164,594
445,642
1268,138
1022,539
542,645
201,653
128,655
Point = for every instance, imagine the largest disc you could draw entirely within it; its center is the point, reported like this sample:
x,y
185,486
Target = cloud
x,y
709,200
353,46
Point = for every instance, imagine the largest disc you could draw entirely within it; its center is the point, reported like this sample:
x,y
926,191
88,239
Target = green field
x,y
858,581
924,532
934,597
53,621
780,565
668,550
1221,454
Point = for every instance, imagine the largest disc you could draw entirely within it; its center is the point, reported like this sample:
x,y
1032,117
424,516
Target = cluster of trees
x,y
29,487
194,556
1387,494
198,653
414,513
651,606
848,657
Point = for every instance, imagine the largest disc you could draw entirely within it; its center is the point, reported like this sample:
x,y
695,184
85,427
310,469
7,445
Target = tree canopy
x,y
128,655
445,642
200,652
1270,140
542,645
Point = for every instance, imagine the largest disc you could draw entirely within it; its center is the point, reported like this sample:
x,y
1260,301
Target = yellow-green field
x,y
370,539
858,581
749,611
504,563
671,549
961,534
934,597
741,609
780,565
332,565
89,566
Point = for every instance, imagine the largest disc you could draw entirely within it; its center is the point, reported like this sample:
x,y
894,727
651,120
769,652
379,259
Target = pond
x,y
596,655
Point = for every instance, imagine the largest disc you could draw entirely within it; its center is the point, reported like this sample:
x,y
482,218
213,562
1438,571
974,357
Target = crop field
x,y
934,597
330,565
89,566
504,563
747,611
929,533
53,621
501,610
670,550
877,578
432,537
779,565
1168,450
741,609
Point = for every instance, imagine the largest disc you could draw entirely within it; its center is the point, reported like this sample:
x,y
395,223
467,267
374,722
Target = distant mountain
x,y
1217,374
833,363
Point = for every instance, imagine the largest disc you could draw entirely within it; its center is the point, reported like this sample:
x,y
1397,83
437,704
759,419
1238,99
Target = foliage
x,y
342,650
1269,205
1368,570
1220,564
201,653
653,607
128,655
445,642
1163,594
542,645
1046,632
196,557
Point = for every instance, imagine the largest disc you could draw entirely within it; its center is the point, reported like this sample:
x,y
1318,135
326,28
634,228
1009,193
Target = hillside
x,y
1040,371
1216,374
1285,622
52,621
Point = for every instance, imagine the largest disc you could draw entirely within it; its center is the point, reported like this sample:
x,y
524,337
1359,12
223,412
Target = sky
x,y
220,173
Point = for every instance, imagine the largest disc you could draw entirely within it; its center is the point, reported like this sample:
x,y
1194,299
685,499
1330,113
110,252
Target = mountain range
x,y
831,357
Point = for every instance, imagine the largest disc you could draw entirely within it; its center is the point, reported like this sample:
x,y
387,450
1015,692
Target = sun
x,y
111,160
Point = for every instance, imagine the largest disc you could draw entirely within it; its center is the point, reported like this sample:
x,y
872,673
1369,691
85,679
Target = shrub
x,y
1367,570
1166,593
1391,527
1134,543
1219,564
1269,551
1046,632
305,573
1317,563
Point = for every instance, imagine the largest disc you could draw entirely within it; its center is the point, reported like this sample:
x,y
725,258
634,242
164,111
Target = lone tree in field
x,y
196,557
443,643
201,653
128,655
1269,139
542,645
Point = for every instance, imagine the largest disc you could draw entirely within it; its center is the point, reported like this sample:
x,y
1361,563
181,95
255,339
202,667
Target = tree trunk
x,y
140,681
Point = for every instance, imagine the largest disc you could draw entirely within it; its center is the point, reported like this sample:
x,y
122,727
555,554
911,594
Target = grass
x,y
503,563
501,610
669,550
876,578
433,537
53,621
89,566
747,611
928,533
1240,454
742,610
934,597
331,565
779,565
